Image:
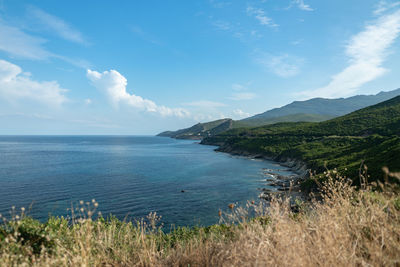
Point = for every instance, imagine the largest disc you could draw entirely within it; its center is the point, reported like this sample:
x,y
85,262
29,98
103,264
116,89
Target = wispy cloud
x,y
222,25
238,87
367,51
283,65
301,5
240,114
144,35
296,42
259,14
384,6
114,85
219,3
56,25
15,85
19,44
235,29
240,93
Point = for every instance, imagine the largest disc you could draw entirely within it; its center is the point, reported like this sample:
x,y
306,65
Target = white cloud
x,y
201,117
296,42
301,5
384,6
234,29
259,14
240,114
56,25
242,96
367,51
219,4
16,85
238,87
114,85
240,92
19,44
283,65
222,25
205,104
145,36
77,62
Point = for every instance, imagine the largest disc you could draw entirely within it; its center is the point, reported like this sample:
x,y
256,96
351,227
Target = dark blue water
x,y
128,176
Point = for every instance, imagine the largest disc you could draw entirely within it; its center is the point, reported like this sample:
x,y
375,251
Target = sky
x,y
141,67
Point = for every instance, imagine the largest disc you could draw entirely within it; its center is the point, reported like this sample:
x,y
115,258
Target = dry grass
x,y
347,227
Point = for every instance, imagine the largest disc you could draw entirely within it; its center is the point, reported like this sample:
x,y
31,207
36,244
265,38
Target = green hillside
x,y
200,130
371,135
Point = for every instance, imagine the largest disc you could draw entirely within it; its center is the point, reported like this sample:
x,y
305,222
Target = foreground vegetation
x,y
343,227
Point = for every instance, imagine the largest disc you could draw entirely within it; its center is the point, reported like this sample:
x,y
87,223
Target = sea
x,y
184,182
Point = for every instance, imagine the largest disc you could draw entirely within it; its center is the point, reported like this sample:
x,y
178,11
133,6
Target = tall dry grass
x,y
344,227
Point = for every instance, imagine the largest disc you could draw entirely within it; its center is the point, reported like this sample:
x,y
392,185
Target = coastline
x,y
283,185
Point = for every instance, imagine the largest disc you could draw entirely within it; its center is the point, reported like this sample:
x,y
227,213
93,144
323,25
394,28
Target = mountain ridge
x,y
311,110
327,106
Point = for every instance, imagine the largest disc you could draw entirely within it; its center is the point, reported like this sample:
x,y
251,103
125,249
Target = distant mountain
x,y
312,110
200,130
287,118
322,106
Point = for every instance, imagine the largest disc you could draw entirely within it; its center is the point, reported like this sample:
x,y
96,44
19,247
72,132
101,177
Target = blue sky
x,y
141,67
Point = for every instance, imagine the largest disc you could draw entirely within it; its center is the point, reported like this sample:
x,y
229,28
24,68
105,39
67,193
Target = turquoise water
x,y
129,176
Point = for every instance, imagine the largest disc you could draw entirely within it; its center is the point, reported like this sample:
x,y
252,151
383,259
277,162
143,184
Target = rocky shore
x,y
277,185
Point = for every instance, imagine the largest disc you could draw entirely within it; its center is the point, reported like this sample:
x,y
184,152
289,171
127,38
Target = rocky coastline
x,y
277,185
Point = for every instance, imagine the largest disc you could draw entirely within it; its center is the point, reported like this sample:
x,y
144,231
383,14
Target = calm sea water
x,y
129,177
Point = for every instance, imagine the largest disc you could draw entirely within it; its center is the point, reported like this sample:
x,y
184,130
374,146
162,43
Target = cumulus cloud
x,y
259,14
367,51
56,25
114,85
16,85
